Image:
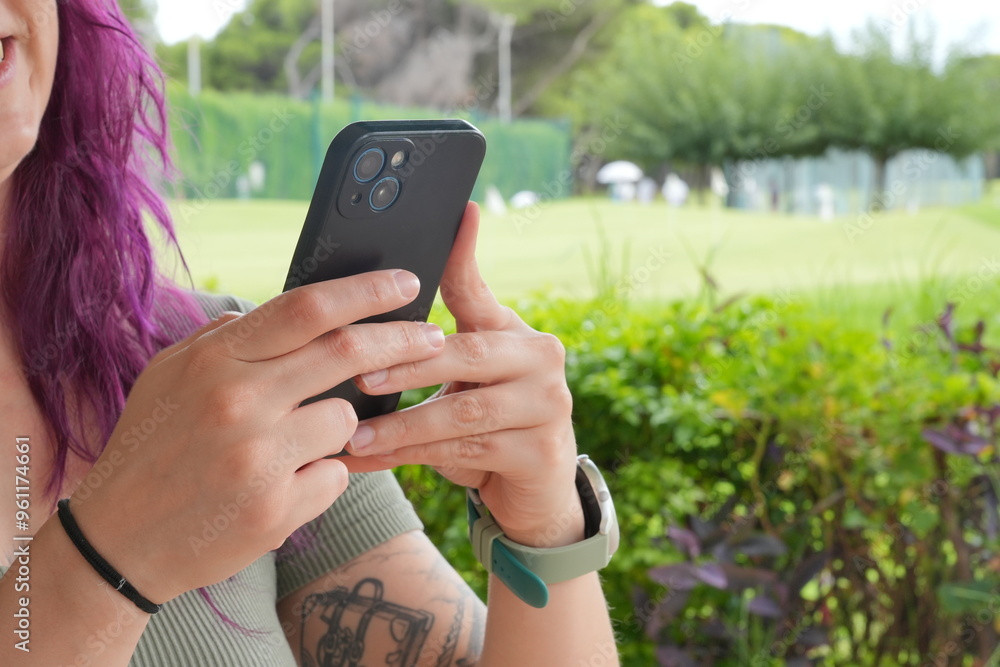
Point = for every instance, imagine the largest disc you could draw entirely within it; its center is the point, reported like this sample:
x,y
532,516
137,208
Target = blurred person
x,y
170,426
675,190
646,190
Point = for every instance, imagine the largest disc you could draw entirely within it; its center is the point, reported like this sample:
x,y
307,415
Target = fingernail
x,y
435,336
375,378
363,436
409,284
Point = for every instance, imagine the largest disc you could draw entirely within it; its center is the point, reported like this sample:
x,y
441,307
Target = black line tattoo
x,y
451,641
475,649
353,617
345,627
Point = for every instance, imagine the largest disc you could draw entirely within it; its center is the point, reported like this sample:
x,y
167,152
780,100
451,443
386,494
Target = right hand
x,y
212,433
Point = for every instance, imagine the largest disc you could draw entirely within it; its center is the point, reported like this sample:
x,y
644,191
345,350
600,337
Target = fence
x,y
844,180
268,146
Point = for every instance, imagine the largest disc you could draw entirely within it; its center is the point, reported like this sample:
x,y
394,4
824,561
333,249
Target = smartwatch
x,y
526,571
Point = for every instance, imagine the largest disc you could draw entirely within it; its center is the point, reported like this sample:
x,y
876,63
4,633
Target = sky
x,y
975,24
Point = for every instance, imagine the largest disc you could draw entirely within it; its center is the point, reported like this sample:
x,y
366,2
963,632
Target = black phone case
x,y
339,239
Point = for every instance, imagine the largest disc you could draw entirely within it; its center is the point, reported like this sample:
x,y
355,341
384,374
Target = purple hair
x,y
79,282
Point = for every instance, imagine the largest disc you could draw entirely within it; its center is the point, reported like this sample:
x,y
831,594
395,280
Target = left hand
x,y
501,423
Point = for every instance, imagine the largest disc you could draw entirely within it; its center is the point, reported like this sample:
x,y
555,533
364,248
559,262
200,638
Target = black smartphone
x,y
391,195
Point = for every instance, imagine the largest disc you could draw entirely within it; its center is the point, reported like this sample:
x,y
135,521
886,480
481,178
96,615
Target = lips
x,y
8,57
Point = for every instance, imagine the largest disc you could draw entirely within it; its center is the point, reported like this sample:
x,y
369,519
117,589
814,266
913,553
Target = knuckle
x,y
408,339
306,306
552,348
344,344
472,448
398,429
550,448
473,349
402,373
378,290
561,397
470,410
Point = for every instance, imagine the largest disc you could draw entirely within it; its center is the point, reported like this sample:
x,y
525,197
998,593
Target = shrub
x,y
789,491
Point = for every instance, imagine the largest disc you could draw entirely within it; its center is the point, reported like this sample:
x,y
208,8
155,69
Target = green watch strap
x,y
524,583
527,570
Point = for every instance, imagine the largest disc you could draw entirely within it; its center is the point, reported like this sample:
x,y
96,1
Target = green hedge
x,y
217,136
794,457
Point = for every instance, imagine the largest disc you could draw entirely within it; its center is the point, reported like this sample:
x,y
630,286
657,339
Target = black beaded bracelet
x,y
103,567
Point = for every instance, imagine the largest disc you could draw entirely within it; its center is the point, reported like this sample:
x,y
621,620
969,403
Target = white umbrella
x,y
619,172
525,199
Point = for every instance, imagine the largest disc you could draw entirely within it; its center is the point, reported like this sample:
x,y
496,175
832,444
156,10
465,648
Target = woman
x,y
188,488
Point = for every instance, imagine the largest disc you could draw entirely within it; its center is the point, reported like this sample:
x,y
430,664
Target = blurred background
x,y
768,233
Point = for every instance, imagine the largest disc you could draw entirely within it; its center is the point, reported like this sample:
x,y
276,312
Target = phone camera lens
x,y
384,194
369,165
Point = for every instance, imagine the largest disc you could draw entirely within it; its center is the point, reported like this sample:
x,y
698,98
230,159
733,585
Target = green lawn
x,y
851,268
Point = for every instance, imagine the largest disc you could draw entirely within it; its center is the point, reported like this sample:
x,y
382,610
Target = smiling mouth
x,y
3,48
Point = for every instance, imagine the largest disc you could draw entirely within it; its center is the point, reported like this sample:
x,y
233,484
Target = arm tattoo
x,y
359,627
348,619
475,649
451,641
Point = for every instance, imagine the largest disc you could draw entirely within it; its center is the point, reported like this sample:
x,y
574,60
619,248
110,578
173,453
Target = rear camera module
x,y
384,194
399,159
369,165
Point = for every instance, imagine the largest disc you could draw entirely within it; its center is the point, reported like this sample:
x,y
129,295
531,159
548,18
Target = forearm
x,y
574,629
73,616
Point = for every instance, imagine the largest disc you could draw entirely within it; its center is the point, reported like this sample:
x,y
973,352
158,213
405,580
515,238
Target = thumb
x,y
221,320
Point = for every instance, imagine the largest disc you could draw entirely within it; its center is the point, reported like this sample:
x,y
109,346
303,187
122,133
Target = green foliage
x,y
884,101
794,427
249,53
699,93
218,135
703,94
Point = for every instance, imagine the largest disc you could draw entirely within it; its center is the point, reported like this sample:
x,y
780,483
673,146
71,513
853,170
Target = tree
x,y
887,102
419,52
978,77
702,96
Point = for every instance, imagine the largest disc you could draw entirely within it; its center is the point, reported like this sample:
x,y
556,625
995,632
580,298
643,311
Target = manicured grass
x,y
853,268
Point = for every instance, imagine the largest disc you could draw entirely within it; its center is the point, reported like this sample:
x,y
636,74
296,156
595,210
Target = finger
x,y
486,357
469,413
317,430
463,289
346,352
461,476
224,318
505,452
317,486
293,319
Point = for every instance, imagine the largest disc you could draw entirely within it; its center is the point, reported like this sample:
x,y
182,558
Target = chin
x,y
14,147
